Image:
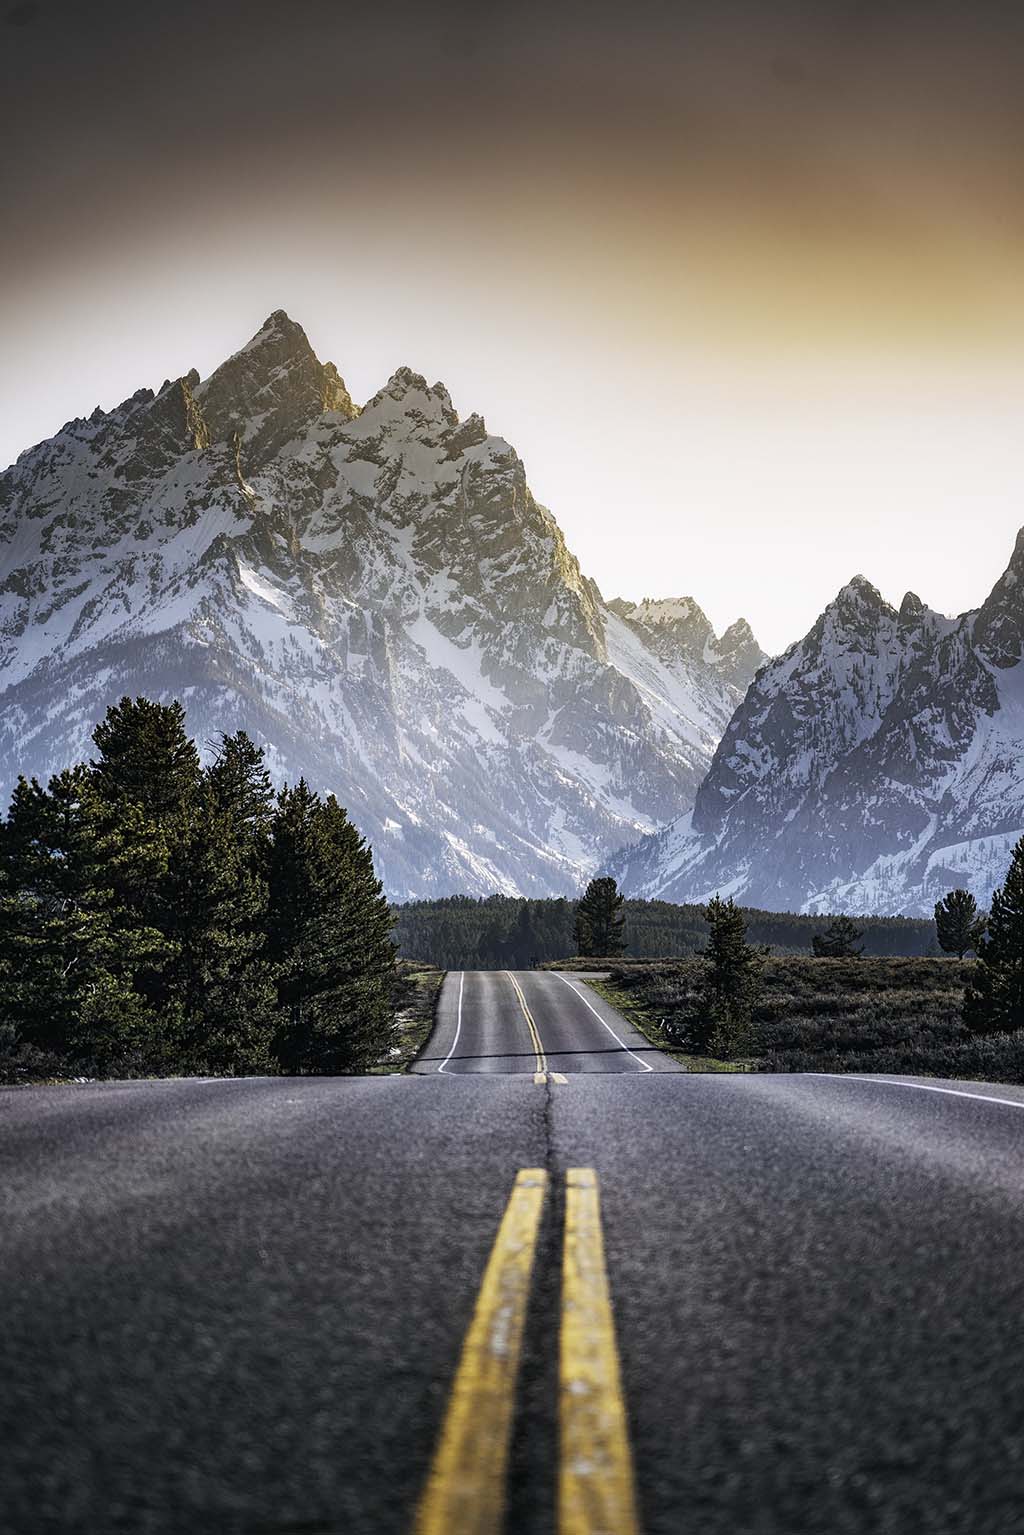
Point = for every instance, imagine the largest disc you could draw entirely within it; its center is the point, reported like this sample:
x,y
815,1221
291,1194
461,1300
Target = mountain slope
x,y
375,596
876,764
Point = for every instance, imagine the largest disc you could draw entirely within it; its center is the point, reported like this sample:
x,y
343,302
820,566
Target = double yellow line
x,y
465,1491
542,1060
541,1073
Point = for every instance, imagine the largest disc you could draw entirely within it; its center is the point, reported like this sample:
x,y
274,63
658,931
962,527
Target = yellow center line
x,y
465,1491
542,1064
596,1495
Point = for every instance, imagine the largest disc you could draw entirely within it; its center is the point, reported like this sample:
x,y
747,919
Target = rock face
x,y
376,597
874,766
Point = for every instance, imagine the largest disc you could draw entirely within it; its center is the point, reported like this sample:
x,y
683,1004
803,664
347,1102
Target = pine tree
x,y
959,924
840,940
716,1014
494,949
146,758
599,920
525,938
329,936
242,789
148,777
71,950
994,1002
731,958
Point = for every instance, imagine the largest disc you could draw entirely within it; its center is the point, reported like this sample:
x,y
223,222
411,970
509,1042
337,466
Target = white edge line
x,y
645,1064
921,1087
458,1025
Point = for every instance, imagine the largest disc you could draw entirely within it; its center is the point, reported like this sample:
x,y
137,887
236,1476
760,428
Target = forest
x,y
497,931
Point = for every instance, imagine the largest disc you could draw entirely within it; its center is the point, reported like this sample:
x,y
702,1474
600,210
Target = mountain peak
x,y
857,603
410,389
740,630
736,654
277,329
861,588
999,629
658,612
270,390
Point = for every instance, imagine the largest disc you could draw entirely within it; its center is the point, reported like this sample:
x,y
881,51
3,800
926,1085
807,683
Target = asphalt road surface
x,y
501,1021
239,1306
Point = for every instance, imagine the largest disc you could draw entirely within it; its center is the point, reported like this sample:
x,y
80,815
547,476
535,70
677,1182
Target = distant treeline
x,y
158,916
460,932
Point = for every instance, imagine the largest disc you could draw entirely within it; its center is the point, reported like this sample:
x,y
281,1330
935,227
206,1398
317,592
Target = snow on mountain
x,y
875,765
375,595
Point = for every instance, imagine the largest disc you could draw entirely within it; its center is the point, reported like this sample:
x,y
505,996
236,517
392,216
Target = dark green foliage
x,y
137,901
599,925
840,940
958,923
217,914
461,932
146,758
330,941
707,1004
70,947
994,1003
731,983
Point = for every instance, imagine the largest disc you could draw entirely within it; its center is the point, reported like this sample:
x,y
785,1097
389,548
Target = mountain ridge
x,y
876,763
374,593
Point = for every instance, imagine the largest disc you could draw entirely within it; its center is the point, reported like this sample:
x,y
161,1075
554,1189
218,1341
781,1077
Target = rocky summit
x,y
874,766
376,597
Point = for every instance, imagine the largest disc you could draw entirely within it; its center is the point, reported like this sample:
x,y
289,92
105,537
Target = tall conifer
x,y
994,1002
329,933
958,923
600,925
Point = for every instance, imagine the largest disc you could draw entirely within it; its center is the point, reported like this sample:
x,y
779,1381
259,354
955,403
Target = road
x,y
240,1306
501,1021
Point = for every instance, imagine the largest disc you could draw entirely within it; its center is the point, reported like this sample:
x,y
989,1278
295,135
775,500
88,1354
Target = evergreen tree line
x,y
494,932
160,916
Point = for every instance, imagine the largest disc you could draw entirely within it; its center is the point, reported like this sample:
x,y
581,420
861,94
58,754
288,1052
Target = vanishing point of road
x,y
547,1283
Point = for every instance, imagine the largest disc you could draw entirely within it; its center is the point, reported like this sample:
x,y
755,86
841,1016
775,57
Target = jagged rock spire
x,y
267,392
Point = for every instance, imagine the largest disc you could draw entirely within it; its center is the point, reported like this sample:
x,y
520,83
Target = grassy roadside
x,y
649,1025
418,988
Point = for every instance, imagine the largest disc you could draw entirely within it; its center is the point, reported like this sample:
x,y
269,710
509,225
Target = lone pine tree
x,y
840,940
600,924
733,982
959,924
994,1002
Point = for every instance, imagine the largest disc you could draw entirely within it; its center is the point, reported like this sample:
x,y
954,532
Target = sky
x,y
742,282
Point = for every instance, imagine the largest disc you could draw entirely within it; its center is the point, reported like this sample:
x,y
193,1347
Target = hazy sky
x,y
742,281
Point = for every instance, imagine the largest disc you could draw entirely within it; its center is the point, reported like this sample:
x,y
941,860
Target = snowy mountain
x,y
875,765
376,597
